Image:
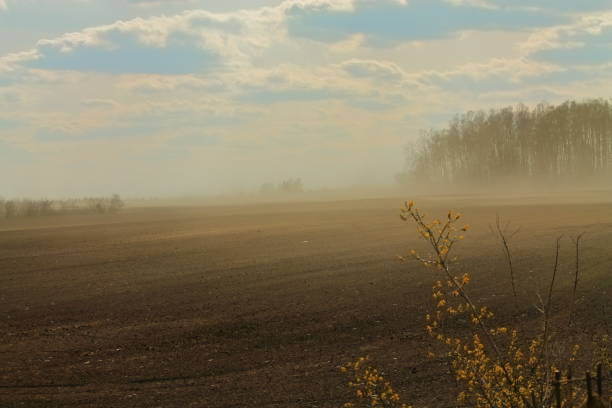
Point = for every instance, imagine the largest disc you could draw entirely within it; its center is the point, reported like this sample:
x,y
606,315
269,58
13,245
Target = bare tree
x,y
569,142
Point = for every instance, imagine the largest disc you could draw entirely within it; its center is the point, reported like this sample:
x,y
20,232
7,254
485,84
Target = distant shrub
x,y
288,186
291,186
35,208
267,189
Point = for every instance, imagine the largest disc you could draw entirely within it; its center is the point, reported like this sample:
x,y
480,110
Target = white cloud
x,y
338,5
473,3
145,3
567,35
100,103
13,61
233,36
166,83
351,44
236,37
373,69
513,70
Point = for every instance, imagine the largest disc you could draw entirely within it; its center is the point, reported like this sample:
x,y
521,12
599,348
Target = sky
x,y
202,97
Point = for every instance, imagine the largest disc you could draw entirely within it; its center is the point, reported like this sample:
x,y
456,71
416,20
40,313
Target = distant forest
x,y
571,142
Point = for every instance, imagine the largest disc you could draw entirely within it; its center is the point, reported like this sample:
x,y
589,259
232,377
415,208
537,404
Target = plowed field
x,y
257,305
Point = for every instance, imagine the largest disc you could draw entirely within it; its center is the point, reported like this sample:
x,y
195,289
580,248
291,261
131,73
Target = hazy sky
x,y
148,97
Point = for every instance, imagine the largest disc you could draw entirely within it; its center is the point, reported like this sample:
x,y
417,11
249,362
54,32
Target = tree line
x,y
567,142
32,208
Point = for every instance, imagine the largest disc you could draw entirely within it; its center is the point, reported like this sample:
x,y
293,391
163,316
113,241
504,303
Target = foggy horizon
x,y
194,97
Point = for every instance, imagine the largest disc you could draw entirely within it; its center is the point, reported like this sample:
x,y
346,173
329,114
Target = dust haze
x,y
252,297
305,204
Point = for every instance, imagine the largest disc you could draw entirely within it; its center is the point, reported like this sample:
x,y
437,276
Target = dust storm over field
x,y
305,203
257,305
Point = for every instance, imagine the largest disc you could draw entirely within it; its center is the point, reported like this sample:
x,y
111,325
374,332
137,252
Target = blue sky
x,y
167,97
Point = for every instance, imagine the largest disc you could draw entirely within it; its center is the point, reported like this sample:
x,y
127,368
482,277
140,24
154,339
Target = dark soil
x,y
257,306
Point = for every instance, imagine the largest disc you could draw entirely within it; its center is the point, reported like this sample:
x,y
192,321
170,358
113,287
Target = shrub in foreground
x,y
494,365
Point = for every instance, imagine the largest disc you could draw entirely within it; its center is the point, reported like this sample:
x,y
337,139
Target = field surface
x,y
257,305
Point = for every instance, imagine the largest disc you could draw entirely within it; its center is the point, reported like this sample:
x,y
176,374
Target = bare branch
x,y
503,235
576,242
544,354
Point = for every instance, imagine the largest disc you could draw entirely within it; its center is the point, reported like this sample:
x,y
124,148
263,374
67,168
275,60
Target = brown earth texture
x,y
257,305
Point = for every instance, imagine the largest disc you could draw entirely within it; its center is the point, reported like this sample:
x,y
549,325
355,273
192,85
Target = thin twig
x,y
544,355
576,274
502,234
